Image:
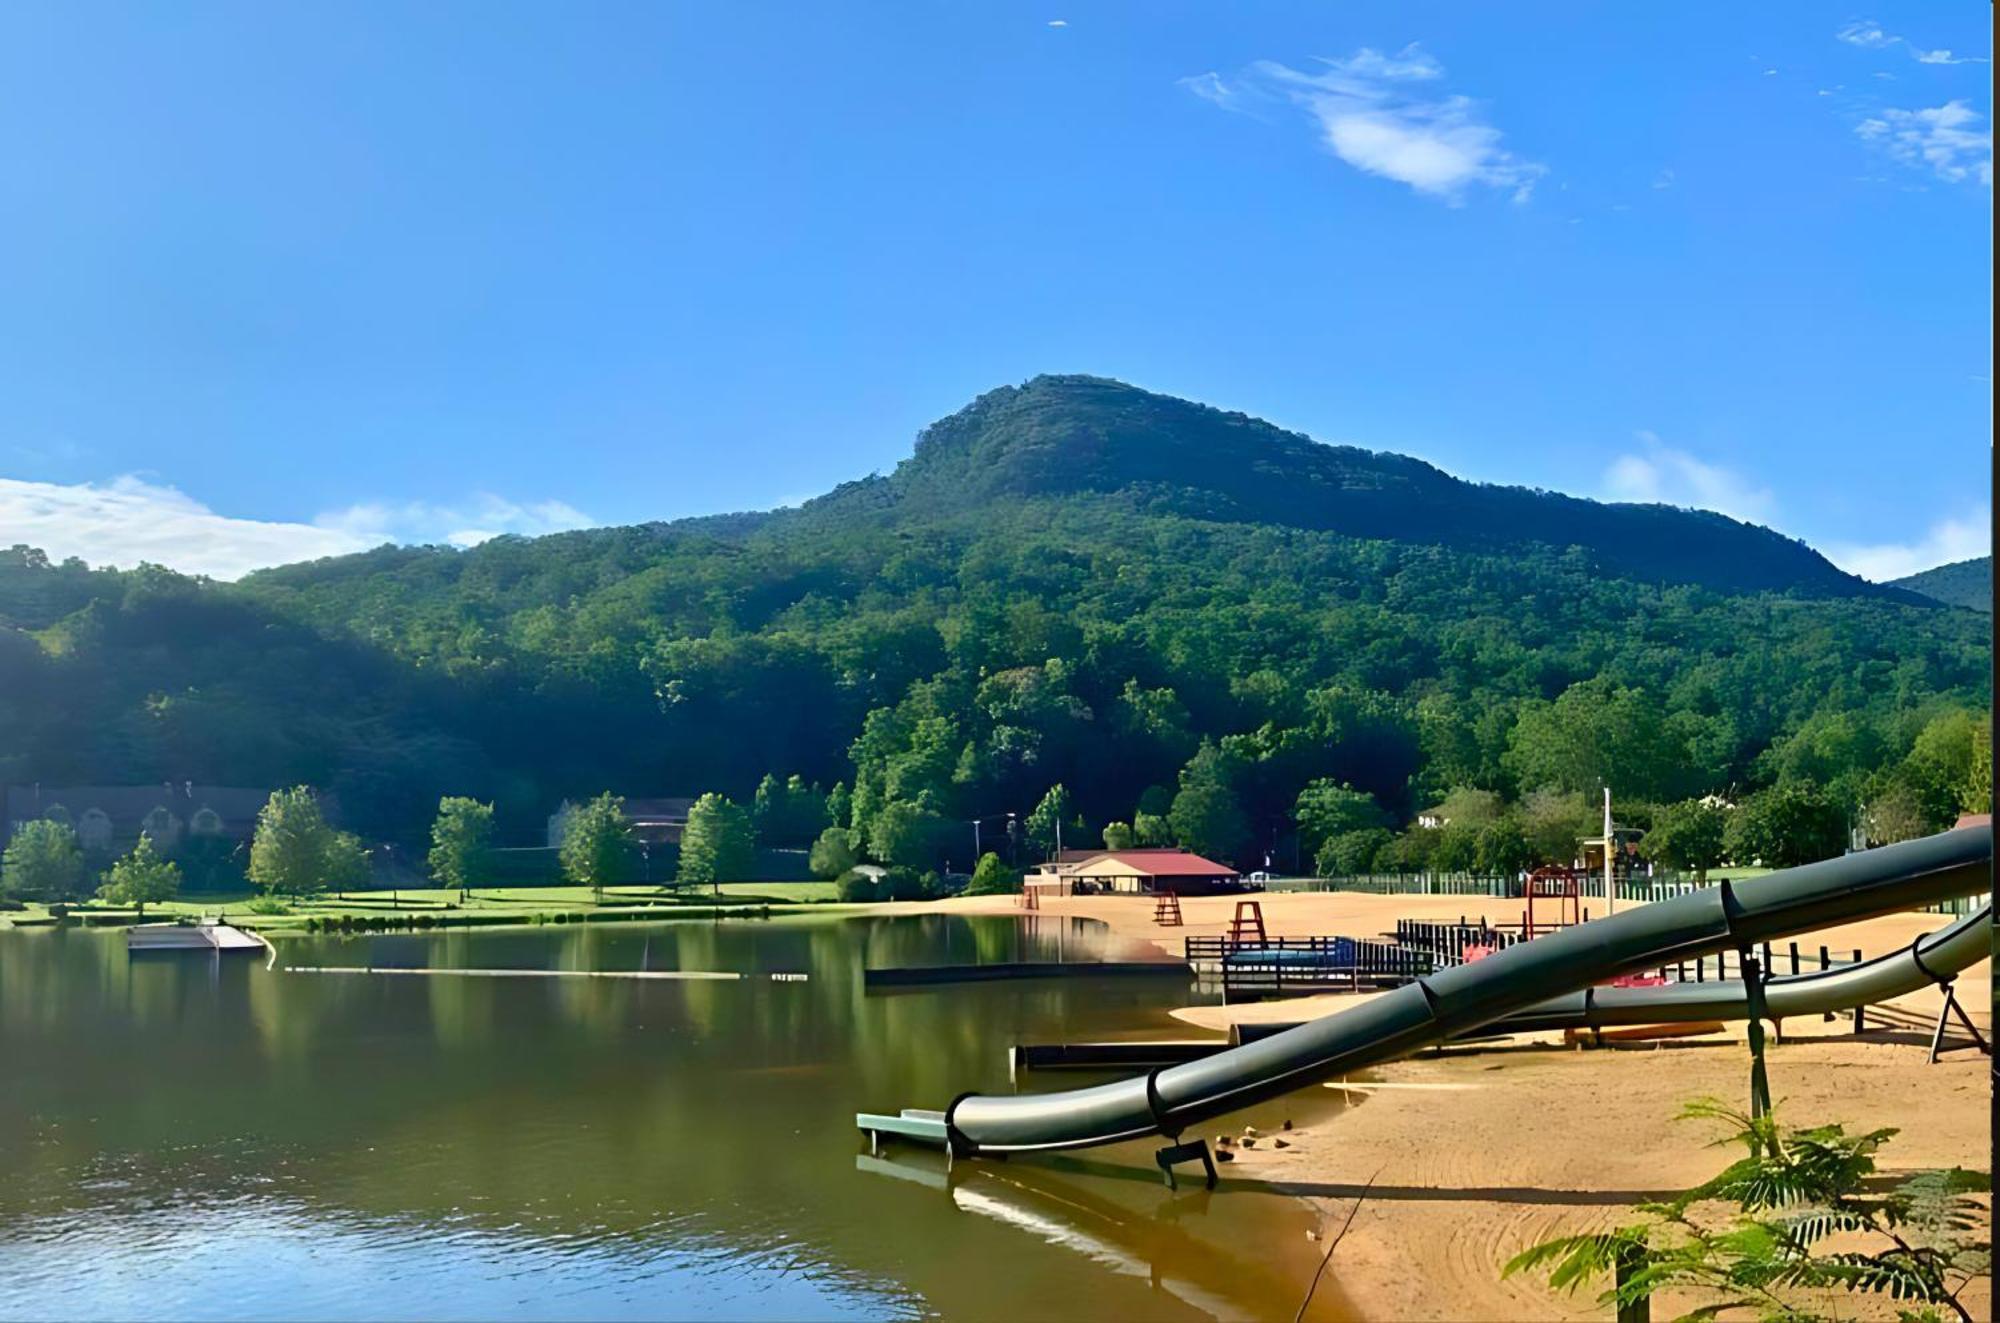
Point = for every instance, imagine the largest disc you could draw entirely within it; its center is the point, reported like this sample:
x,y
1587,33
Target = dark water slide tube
x,y
1545,982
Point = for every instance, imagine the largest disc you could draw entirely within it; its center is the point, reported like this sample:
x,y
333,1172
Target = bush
x,y
833,853
270,905
990,877
857,886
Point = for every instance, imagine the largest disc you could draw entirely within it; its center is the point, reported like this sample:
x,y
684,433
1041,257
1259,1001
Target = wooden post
x,y
1753,990
1630,1260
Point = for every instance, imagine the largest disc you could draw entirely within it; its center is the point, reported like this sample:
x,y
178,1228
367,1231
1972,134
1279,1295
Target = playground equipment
x,y
1553,975
1560,885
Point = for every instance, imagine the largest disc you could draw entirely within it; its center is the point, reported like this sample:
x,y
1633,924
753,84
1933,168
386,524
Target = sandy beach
x,y
1476,1153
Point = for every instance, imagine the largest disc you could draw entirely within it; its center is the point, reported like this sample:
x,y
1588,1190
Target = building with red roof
x,y
1135,872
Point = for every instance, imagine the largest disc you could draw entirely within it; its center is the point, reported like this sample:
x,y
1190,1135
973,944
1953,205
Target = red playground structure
x,y
1561,885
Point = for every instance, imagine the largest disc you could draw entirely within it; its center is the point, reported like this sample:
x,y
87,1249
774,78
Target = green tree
x,y
1941,765
141,878
906,835
788,814
345,863
1894,812
1352,853
833,853
1118,836
1554,822
990,877
840,805
1688,836
1501,849
1207,817
1594,734
718,844
1327,808
1457,848
293,847
1812,1221
597,844
1794,822
43,860
461,843
1976,791
1151,830
1042,823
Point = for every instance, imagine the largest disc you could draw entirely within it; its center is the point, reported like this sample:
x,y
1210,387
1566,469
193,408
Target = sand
x,y
1476,1153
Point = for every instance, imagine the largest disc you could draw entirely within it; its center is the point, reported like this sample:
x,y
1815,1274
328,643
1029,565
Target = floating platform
x,y
916,976
919,1123
1110,1056
208,937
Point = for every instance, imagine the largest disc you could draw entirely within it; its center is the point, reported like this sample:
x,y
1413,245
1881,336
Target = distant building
x,y
1133,872
110,819
654,821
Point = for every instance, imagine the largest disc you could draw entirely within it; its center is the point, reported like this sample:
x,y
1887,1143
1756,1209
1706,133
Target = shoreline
x,y
1476,1152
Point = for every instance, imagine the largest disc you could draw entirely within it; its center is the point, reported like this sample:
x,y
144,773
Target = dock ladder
x,y
1248,924
1167,909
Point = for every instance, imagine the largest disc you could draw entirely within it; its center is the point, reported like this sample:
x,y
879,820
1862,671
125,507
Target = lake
x,y
188,1137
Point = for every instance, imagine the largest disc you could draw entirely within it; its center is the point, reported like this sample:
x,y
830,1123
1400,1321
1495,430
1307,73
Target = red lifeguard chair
x,y
1248,924
1167,909
1553,882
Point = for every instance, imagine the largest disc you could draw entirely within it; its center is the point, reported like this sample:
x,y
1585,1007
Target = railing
x,y
1778,962
1252,968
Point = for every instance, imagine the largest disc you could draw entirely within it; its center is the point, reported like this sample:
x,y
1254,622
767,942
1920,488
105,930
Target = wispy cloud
x,y
1946,541
1947,140
1213,87
129,520
1058,22
1871,36
1662,474
1384,115
1664,179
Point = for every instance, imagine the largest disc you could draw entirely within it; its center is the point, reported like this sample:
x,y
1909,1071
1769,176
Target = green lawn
x,y
502,900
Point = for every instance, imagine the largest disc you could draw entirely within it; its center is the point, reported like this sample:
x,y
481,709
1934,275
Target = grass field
x,y
503,903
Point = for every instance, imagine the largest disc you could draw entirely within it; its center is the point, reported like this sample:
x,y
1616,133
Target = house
x,y
654,821
110,819
1134,872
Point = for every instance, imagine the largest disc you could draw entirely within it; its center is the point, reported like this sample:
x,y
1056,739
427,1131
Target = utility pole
x,y
1610,892
975,842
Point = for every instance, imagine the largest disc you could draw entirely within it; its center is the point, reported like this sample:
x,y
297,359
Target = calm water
x,y
182,1137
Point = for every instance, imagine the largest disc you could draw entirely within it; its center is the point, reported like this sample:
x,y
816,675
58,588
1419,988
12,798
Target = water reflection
x,y
194,1137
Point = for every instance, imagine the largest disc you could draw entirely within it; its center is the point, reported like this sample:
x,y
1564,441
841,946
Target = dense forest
x,y
1071,582
1967,583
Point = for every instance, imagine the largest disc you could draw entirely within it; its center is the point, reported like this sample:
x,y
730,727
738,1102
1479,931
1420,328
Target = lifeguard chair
x,y
1561,885
1167,909
1248,925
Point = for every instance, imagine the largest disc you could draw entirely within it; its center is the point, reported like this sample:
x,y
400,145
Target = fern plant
x,y
1918,1242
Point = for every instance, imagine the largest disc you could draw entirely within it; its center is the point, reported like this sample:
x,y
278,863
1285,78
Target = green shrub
x,y
269,905
857,886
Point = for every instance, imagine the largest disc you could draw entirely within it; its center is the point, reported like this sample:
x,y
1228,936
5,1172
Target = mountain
x,y
1966,583
1068,582
1058,435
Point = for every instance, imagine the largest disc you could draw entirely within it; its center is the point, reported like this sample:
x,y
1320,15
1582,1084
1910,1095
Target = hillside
x,y
1967,583
1069,582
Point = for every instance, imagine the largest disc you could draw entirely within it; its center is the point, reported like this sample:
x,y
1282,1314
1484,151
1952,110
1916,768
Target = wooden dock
x,y
206,937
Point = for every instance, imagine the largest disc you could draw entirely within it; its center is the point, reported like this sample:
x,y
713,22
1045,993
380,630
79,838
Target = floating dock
x,y
210,937
914,976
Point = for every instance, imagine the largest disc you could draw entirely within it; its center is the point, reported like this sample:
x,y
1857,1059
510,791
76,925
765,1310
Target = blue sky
x,y
282,280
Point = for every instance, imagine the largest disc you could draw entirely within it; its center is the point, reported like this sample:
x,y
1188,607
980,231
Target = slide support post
x,y
1753,991
1950,1008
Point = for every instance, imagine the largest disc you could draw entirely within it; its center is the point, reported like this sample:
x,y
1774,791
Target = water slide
x,y
1549,982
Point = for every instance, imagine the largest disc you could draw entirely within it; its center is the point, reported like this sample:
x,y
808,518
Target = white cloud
x,y
1946,541
1370,114
129,520
1213,87
1661,474
1947,139
1664,179
1870,36
1058,22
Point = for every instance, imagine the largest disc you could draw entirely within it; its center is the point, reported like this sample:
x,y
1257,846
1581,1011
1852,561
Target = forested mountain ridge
x,y
1070,582
1967,583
